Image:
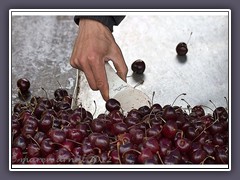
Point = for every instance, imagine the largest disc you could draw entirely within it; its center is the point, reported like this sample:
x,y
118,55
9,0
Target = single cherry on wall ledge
x,y
182,49
138,66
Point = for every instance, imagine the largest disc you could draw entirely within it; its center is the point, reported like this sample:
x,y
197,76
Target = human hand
x,y
94,46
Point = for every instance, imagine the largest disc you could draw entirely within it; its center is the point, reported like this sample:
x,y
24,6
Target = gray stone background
x,y
41,49
42,46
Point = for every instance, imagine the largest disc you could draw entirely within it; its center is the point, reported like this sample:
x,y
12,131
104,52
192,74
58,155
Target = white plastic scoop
x,y
129,97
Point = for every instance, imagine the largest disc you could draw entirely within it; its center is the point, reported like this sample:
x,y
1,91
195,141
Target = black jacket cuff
x,y
108,21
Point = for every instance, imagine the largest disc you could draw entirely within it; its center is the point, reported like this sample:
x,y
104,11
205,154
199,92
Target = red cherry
x,y
182,49
23,84
138,66
112,104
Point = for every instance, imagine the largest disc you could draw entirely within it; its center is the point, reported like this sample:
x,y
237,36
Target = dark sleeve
x,y
108,21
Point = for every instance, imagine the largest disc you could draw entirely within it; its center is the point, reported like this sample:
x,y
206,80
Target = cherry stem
x,y
145,119
35,101
153,94
159,157
131,150
63,147
162,119
181,132
204,130
95,109
59,84
226,101
45,92
139,83
215,108
189,37
183,94
213,103
74,141
188,105
115,141
68,124
152,112
89,127
121,138
34,141
207,158
22,95
118,151
150,104
207,107
99,150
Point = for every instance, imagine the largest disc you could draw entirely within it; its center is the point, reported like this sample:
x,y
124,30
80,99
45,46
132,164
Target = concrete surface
x,y
42,46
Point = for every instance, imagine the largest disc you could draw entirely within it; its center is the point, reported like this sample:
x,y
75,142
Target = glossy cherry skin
x,y
23,84
182,49
138,66
112,104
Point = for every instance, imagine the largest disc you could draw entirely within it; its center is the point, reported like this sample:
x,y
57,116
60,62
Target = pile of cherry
x,y
48,131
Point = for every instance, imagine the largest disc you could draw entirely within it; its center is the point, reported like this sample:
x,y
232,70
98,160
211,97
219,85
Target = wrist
x,y
93,25
104,20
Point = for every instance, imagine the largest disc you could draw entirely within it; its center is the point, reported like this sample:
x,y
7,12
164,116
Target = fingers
x,y
100,77
93,46
120,65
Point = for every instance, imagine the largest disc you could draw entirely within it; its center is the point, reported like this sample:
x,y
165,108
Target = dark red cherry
x,y
112,104
97,125
137,135
46,123
114,155
169,129
115,116
156,108
165,145
154,131
33,150
221,156
20,142
152,144
23,84
39,137
182,49
131,121
198,156
119,128
50,159
169,113
183,144
198,111
28,131
17,156
60,93
47,147
134,113
220,113
138,66
129,158
75,135
144,110
145,155
63,156
102,142
123,148
58,135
